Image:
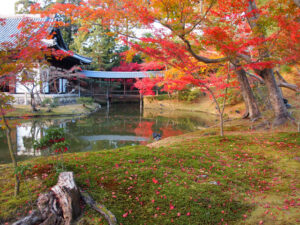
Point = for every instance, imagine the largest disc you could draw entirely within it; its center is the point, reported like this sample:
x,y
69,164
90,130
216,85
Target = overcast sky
x,y
7,7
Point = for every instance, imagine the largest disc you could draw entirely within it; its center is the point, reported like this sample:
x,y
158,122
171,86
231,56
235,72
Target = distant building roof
x,y
10,28
11,24
117,75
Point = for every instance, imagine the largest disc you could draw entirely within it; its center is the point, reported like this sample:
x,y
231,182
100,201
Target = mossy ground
x,y
239,179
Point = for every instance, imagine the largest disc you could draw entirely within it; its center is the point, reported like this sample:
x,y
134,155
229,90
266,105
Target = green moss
x,y
209,180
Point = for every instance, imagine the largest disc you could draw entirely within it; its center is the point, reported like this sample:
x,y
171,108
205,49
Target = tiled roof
x,y
10,27
117,75
83,59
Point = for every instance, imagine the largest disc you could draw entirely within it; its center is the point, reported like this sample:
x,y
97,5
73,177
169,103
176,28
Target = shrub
x,y
46,101
162,97
85,100
54,103
234,97
189,95
53,140
286,69
55,143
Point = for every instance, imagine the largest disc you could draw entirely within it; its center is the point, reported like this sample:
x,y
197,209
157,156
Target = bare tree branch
x,y
283,83
297,2
256,77
199,57
202,18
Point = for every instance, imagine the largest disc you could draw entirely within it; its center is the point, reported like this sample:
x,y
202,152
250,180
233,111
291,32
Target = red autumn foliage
x,y
128,67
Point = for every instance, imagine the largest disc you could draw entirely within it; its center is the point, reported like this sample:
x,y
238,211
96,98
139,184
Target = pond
x,y
121,125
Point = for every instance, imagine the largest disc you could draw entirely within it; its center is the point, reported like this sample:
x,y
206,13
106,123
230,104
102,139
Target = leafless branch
x,y
283,83
256,77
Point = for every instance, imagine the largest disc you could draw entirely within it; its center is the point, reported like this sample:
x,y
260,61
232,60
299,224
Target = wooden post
x,y
26,102
107,97
93,87
124,83
79,86
141,103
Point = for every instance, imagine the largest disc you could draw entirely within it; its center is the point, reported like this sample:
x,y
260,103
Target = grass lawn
x,y
75,109
239,179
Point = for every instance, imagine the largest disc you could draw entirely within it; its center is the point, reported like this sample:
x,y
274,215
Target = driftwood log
x,y
61,205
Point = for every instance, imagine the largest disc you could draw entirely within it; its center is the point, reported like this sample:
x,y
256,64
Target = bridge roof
x,y
122,75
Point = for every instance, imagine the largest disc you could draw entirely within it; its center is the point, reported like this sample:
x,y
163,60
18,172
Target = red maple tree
x,y
253,38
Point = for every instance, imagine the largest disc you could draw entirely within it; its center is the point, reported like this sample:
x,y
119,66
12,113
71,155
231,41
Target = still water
x,y
119,126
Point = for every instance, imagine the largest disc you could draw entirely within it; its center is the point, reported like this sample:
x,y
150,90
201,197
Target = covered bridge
x,y
114,86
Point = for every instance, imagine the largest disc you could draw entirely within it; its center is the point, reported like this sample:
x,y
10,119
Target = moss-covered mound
x,y
238,179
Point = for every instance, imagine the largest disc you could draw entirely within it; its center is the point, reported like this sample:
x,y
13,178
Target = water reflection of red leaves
x,y
169,131
144,129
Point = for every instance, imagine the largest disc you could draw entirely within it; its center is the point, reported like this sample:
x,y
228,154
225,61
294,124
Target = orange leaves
x,y
187,32
129,55
83,29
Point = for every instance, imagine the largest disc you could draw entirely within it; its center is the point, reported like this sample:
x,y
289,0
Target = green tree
x,y
70,28
99,44
68,31
23,6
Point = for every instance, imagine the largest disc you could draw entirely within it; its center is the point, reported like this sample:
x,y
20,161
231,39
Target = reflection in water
x,y
113,138
122,125
26,134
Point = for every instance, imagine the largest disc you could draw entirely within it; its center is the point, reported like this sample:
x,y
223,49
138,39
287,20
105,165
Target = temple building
x,y
57,79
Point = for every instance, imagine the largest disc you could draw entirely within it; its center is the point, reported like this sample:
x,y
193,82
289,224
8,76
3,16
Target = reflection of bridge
x,y
113,138
111,86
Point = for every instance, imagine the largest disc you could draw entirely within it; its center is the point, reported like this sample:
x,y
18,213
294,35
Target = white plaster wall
x,y
21,88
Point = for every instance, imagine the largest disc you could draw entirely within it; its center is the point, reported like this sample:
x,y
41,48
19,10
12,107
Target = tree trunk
x,y
221,125
218,109
32,102
252,110
14,161
297,2
281,113
11,151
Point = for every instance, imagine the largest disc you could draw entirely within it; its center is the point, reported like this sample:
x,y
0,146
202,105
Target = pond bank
x,y
203,104
24,111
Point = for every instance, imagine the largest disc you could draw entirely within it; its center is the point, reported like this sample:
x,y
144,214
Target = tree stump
x,y
68,196
61,205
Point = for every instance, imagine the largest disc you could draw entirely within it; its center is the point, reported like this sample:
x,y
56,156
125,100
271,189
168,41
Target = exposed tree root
x,y
246,115
111,219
